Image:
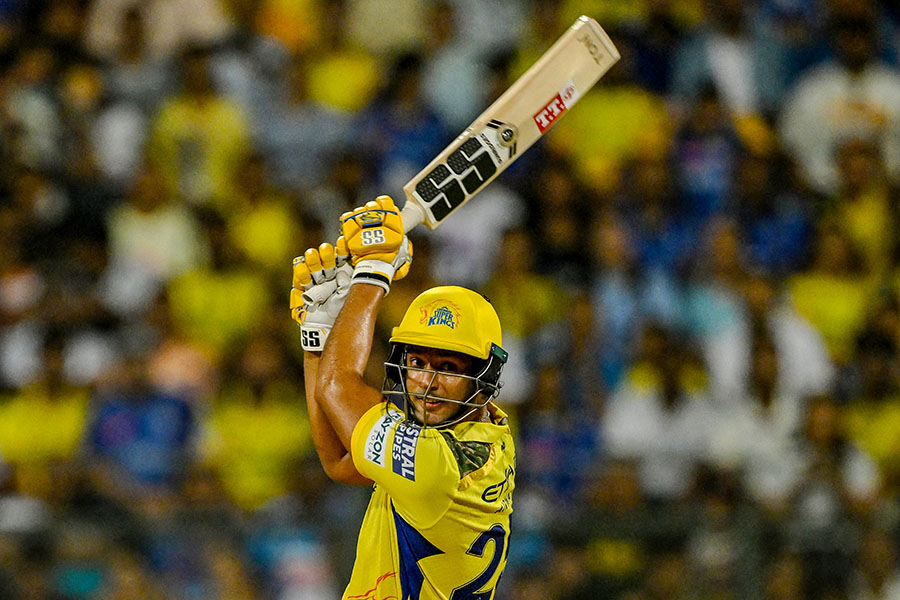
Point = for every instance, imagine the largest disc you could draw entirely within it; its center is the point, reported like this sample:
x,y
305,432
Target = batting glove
x,y
379,250
320,284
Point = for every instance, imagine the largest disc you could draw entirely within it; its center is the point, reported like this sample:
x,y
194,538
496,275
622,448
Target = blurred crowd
x,y
697,270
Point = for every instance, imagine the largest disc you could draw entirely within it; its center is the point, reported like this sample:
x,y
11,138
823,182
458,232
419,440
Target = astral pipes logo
x,y
404,451
440,312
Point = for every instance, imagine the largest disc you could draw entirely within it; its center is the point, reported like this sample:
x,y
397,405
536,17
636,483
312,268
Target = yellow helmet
x,y
451,318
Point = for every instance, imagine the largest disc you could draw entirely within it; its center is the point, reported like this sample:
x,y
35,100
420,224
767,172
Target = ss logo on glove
x,y
310,338
372,236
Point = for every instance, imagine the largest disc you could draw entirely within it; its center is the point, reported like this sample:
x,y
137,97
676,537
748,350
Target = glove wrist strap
x,y
374,272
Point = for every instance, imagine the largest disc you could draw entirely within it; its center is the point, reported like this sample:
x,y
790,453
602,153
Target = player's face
x,y
445,385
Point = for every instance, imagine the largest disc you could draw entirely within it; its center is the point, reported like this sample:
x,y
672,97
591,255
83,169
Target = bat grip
x,y
412,215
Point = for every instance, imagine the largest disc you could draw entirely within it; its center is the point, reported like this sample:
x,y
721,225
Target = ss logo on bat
x,y
449,184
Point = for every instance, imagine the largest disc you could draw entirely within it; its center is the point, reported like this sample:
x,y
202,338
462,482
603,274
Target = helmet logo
x,y
442,316
440,312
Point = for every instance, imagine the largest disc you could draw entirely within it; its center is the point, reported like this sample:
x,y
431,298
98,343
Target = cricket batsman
x,y
437,449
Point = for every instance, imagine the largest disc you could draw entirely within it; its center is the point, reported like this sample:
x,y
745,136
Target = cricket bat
x,y
509,126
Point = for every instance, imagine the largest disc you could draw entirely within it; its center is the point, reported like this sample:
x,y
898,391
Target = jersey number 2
x,y
470,591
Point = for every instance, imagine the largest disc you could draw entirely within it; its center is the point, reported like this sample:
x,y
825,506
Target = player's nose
x,y
420,381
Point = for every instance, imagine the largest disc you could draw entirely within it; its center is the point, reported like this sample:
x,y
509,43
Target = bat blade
x,y
509,126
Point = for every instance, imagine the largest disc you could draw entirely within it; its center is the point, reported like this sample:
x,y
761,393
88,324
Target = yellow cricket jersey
x,y
437,525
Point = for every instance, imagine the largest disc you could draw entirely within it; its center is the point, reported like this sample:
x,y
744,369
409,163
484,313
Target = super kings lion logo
x,y
440,312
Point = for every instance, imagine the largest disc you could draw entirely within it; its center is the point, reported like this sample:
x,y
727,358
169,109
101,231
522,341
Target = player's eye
x,y
414,361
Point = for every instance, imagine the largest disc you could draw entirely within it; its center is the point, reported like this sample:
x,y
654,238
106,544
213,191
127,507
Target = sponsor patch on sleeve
x,y
376,441
403,451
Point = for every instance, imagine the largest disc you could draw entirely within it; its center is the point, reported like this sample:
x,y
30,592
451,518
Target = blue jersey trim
x,y
412,547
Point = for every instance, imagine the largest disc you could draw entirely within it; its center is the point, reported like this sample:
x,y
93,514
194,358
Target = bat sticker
x,y
557,106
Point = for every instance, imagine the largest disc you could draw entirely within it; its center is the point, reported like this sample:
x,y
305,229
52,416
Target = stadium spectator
x,y
873,411
853,95
617,122
198,136
342,75
256,433
263,222
803,363
558,440
153,239
840,484
660,416
169,25
707,148
625,297
757,428
218,305
775,217
398,128
743,61
865,204
834,293
42,425
299,137
876,574
138,438
133,75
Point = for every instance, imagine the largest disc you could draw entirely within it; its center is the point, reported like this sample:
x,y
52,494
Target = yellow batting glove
x,y
321,280
373,231
342,253
302,281
404,264
376,243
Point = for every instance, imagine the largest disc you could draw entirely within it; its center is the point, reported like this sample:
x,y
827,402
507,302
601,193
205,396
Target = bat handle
x,y
319,293
412,215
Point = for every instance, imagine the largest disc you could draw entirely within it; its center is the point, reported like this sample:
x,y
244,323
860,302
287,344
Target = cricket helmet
x,y
449,318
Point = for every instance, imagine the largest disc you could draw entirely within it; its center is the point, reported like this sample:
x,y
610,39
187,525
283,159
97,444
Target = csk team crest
x,y
440,312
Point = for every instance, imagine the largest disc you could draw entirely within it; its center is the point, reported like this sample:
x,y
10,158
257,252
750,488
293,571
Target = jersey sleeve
x,y
413,465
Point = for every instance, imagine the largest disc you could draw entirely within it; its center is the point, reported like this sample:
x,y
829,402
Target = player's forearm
x,y
334,457
341,391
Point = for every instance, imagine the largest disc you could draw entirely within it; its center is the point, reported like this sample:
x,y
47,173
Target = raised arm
x,y
329,308
315,311
333,455
379,252
341,391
